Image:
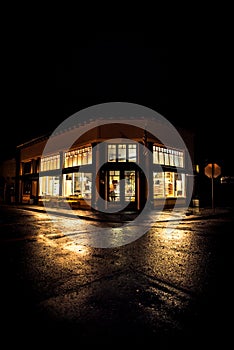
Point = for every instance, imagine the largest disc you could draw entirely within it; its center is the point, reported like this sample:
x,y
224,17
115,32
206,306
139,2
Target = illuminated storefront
x,y
76,176
77,184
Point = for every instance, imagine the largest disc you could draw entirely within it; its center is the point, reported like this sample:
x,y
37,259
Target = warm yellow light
x,y
76,248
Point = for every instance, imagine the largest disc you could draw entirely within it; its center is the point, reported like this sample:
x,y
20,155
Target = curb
x,y
120,217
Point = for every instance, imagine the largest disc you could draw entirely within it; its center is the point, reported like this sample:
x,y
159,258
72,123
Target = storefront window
x,y
161,156
132,155
180,185
168,156
111,153
50,163
181,159
77,157
158,183
49,186
168,184
171,157
122,153
77,184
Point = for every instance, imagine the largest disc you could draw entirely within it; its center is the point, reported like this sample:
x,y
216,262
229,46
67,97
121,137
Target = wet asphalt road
x,y
163,289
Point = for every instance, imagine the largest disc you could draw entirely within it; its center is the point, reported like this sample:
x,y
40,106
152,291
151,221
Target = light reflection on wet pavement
x,y
155,286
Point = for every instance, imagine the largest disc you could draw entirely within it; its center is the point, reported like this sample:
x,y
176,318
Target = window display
x,y
77,184
49,186
158,181
168,184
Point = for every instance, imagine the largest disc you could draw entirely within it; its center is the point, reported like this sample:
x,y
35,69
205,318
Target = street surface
x,y
167,287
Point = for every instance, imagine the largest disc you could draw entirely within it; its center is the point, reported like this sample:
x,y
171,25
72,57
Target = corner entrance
x,y
121,188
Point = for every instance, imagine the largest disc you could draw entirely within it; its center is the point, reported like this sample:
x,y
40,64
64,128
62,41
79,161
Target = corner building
x,y
106,167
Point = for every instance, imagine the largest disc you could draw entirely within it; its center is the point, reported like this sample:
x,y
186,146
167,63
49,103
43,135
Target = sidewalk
x,y
126,216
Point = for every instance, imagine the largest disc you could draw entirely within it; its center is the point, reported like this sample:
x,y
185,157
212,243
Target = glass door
x,y
114,186
121,186
129,186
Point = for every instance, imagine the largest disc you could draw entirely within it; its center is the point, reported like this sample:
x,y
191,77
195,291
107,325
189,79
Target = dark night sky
x,y
45,79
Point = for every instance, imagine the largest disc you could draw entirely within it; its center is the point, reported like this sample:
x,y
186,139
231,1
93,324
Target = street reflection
x,y
172,252
175,257
74,247
157,277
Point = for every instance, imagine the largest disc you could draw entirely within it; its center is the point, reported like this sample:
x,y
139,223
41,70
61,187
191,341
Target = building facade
x,y
106,167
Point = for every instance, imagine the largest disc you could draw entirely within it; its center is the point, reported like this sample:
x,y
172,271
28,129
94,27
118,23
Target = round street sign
x,y
212,170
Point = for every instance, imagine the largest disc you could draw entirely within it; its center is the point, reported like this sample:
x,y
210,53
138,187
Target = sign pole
x,y
212,170
212,187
